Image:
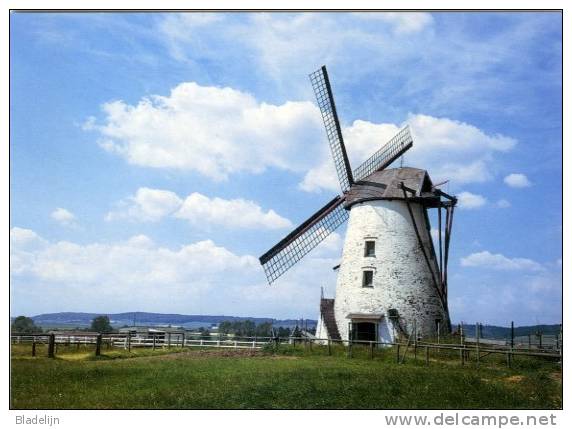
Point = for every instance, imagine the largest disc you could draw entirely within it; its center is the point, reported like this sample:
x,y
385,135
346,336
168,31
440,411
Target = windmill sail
x,y
389,152
325,99
299,242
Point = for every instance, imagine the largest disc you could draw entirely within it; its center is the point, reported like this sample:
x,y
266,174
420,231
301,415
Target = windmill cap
x,y
387,185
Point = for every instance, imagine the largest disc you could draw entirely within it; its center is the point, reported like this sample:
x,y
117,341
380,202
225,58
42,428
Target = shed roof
x,y
364,316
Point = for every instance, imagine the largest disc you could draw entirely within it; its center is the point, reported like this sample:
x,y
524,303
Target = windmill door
x,y
364,331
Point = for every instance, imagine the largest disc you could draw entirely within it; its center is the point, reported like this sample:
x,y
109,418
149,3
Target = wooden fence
x,y
127,341
403,350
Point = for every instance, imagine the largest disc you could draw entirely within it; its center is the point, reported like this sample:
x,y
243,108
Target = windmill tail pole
x,y
425,256
448,230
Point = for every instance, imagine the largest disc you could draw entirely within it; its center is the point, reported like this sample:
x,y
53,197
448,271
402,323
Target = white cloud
x,y
151,205
147,205
498,261
445,65
403,23
200,277
238,213
63,217
213,131
221,131
321,177
362,139
135,263
331,246
23,237
517,180
503,204
24,244
455,150
468,200
277,43
447,149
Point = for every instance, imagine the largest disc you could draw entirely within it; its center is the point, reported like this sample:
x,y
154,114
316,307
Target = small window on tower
x,y
367,279
369,248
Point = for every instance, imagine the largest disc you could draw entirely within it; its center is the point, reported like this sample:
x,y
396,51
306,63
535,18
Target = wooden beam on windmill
x,y
325,98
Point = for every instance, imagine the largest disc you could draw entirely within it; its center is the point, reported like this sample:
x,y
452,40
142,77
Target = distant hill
x,y
143,318
73,319
491,331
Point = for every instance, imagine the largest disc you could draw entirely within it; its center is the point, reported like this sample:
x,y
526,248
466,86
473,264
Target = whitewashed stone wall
x,y
322,330
401,279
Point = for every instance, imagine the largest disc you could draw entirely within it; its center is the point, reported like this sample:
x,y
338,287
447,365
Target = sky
x,y
155,156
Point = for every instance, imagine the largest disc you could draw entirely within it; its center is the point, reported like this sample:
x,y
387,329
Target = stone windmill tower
x,y
390,280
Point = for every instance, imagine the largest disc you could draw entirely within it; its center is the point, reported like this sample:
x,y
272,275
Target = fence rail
x,y
479,349
127,341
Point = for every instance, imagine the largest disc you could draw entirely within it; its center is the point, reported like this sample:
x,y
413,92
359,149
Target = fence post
x,y
168,340
51,345
183,343
371,349
34,346
129,342
415,340
98,345
427,355
478,335
511,335
560,344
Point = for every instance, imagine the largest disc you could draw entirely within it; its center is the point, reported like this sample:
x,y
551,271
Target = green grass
x,y
290,378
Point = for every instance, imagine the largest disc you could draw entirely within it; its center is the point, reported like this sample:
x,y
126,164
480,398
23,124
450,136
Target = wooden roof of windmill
x,y
387,185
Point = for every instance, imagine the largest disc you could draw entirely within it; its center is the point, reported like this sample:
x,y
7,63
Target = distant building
x,y
159,333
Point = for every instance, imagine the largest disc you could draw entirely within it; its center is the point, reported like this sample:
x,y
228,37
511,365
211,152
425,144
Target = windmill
x,y
390,280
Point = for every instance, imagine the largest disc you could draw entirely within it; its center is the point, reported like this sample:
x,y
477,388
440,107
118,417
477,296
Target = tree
x,y
264,329
25,325
204,333
248,327
101,324
225,327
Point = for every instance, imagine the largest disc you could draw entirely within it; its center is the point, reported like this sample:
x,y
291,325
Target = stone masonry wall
x,y
401,280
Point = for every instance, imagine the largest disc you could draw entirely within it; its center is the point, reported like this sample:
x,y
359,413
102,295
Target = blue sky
x,y
154,157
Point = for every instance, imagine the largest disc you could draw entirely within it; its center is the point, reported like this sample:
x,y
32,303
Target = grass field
x,y
290,379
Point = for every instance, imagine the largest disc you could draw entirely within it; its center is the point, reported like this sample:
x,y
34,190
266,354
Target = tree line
x,y
247,328
26,325
102,324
